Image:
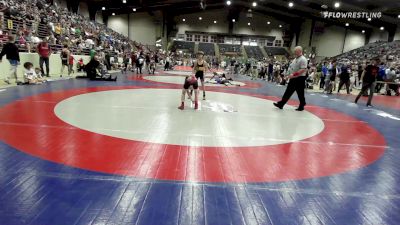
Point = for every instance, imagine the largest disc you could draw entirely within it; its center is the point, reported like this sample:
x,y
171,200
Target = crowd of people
x,y
69,34
66,28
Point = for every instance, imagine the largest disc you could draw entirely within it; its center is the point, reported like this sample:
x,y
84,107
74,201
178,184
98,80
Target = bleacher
x,y
42,33
254,52
272,51
207,48
388,50
224,48
183,46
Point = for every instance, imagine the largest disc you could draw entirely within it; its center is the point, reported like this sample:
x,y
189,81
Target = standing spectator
x,y
148,62
344,79
65,53
270,70
70,64
297,75
139,63
44,51
12,53
368,81
133,60
324,71
381,77
167,62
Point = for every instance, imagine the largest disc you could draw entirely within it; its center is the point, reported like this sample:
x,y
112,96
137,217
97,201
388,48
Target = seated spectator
x,y
23,43
30,75
97,71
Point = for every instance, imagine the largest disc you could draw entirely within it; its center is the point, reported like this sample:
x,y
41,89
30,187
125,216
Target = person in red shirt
x,y
44,51
70,65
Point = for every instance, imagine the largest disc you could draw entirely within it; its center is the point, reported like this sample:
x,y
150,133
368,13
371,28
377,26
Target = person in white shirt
x,y
297,77
30,75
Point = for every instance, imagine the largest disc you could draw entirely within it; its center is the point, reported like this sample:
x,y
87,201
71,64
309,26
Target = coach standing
x,y
297,75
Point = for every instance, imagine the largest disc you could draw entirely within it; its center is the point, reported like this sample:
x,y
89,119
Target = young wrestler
x,y
199,69
190,81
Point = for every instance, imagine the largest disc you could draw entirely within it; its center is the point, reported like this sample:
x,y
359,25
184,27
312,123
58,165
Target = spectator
x,y
30,74
12,53
44,51
368,78
65,53
344,79
71,64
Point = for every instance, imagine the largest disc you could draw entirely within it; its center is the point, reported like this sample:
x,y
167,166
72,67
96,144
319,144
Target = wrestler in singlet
x,y
199,70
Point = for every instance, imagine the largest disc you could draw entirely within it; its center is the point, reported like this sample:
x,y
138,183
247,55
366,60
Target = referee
x,y
297,75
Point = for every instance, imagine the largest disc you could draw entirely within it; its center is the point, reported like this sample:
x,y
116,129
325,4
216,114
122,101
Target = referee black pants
x,y
297,84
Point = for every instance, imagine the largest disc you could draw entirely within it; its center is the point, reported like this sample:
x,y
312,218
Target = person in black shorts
x,y
65,53
190,81
199,69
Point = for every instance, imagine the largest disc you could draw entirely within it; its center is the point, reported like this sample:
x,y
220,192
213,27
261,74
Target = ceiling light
x,y
103,8
254,4
363,31
183,19
200,18
280,26
369,19
347,24
113,14
124,1
382,28
233,20
337,4
215,21
134,9
249,23
291,4
228,2
398,16
268,23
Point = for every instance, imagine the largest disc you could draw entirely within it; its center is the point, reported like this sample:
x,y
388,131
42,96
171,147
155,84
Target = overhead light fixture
x,y
248,23
398,16
291,4
382,28
103,8
183,19
228,2
215,21
233,20
134,9
124,1
254,4
200,18
369,19
268,23
113,14
337,4
363,31
280,26
347,24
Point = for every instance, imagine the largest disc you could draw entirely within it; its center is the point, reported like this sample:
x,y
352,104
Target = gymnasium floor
x,y
85,152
